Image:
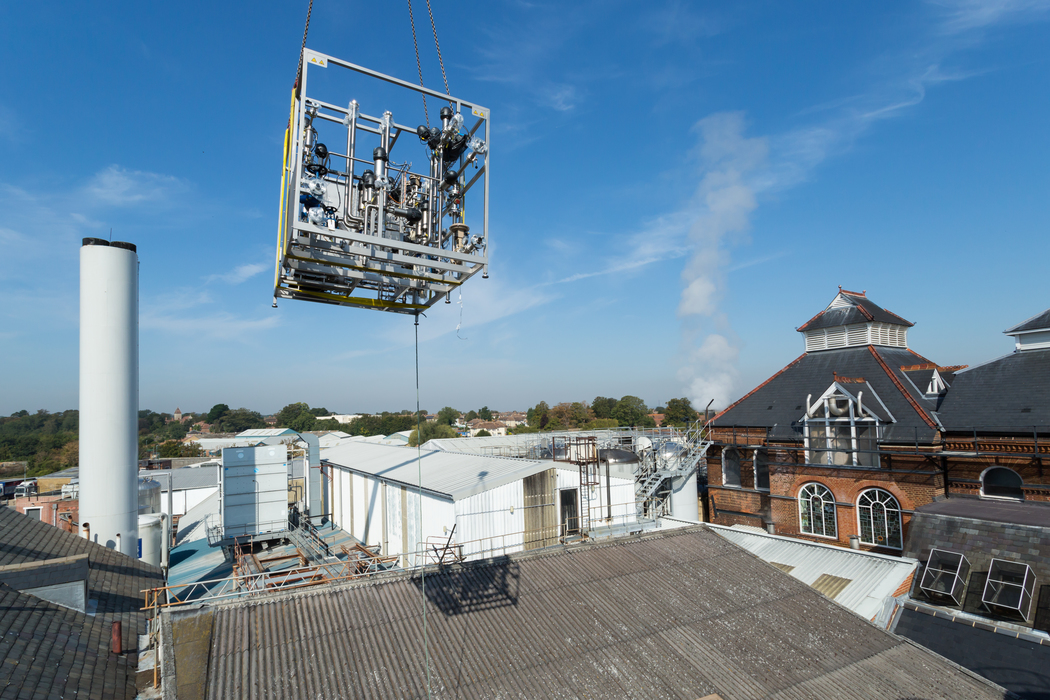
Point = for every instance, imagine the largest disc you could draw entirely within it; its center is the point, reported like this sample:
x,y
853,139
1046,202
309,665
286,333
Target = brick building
x,y
846,442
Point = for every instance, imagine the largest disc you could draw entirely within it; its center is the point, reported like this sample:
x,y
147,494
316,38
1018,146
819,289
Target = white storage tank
x,y
109,393
151,538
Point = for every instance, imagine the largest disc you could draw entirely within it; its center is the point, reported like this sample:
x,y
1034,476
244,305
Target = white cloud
x,y
241,273
965,15
117,186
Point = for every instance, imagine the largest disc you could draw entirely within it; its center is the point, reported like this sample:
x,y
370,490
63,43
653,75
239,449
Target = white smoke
x,y
730,164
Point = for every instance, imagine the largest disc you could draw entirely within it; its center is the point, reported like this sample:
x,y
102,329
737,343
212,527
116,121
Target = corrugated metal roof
x,y
186,478
266,432
870,578
679,614
453,474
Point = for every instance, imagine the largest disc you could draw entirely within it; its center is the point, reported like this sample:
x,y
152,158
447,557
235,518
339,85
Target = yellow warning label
x,y
479,112
317,60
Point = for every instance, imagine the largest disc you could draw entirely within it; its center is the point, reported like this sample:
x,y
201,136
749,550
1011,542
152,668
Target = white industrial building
x,y
382,495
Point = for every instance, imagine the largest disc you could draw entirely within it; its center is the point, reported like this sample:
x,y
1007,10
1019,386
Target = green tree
x,y
173,448
320,412
632,411
290,412
447,416
602,424
537,415
303,422
679,412
483,433
603,407
471,415
217,411
241,419
484,413
431,431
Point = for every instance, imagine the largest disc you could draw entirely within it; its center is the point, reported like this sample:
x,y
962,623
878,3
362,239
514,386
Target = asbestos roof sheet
x,y
452,474
678,614
859,581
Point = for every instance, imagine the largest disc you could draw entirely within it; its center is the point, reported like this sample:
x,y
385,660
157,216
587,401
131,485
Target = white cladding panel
x,y
253,490
490,523
109,394
390,515
621,492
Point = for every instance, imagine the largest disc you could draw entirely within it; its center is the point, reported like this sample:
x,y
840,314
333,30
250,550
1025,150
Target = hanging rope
x,y
419,470
302,50
419,64
441,61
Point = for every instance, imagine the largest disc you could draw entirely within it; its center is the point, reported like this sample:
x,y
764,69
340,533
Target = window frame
x,y
760,456
860,524
725,460
833,432
997,497
824,504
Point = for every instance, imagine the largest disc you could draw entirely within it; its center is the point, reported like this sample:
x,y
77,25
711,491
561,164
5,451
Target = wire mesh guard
x,y
377,232
1009,588
945,575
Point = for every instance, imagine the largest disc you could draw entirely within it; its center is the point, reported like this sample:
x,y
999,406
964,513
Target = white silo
x,y
109,394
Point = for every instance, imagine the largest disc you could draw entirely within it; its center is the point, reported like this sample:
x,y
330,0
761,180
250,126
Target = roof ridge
x,y
863,293
733,405
900,387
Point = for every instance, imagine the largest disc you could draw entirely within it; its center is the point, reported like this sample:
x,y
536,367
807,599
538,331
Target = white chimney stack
x,y
109,393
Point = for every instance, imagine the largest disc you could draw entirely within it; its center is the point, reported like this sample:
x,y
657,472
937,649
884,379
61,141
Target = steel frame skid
x,y
372,232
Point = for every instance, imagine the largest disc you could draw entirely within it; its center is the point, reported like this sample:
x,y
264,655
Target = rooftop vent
x,y
945,575
1009,588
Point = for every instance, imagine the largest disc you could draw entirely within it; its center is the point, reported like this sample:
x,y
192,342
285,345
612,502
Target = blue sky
x,y
676,188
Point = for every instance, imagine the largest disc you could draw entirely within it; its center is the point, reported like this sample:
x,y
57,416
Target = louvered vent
x,y
840,301
857,335
836,337
815,341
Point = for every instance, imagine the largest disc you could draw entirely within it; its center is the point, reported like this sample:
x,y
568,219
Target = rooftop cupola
x,y
1033,334
851,320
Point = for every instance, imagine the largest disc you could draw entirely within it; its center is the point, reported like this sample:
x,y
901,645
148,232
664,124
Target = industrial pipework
x,y
109,394
374,231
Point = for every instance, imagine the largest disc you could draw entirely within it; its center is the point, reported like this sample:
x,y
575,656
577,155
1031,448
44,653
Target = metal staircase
x,y
677,456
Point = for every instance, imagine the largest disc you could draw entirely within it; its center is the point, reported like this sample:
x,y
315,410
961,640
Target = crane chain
x,y
419,64
302,50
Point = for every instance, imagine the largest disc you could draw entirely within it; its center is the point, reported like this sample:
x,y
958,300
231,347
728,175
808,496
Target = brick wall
x,y
52,508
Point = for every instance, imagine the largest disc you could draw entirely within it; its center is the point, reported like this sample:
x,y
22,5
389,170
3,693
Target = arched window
x,y
816,511
879,514
730,467
1000,482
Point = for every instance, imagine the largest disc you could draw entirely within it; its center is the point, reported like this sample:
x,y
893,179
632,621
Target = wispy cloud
x,y
241,273
966,15
117,186
193,312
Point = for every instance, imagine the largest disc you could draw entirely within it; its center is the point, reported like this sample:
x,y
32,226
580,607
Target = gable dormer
x,y
1033,334
851,320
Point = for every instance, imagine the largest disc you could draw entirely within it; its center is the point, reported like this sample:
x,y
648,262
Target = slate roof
x,y
679,614
780,402
861,310
1010,393
1020,665
47,651
1037,322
